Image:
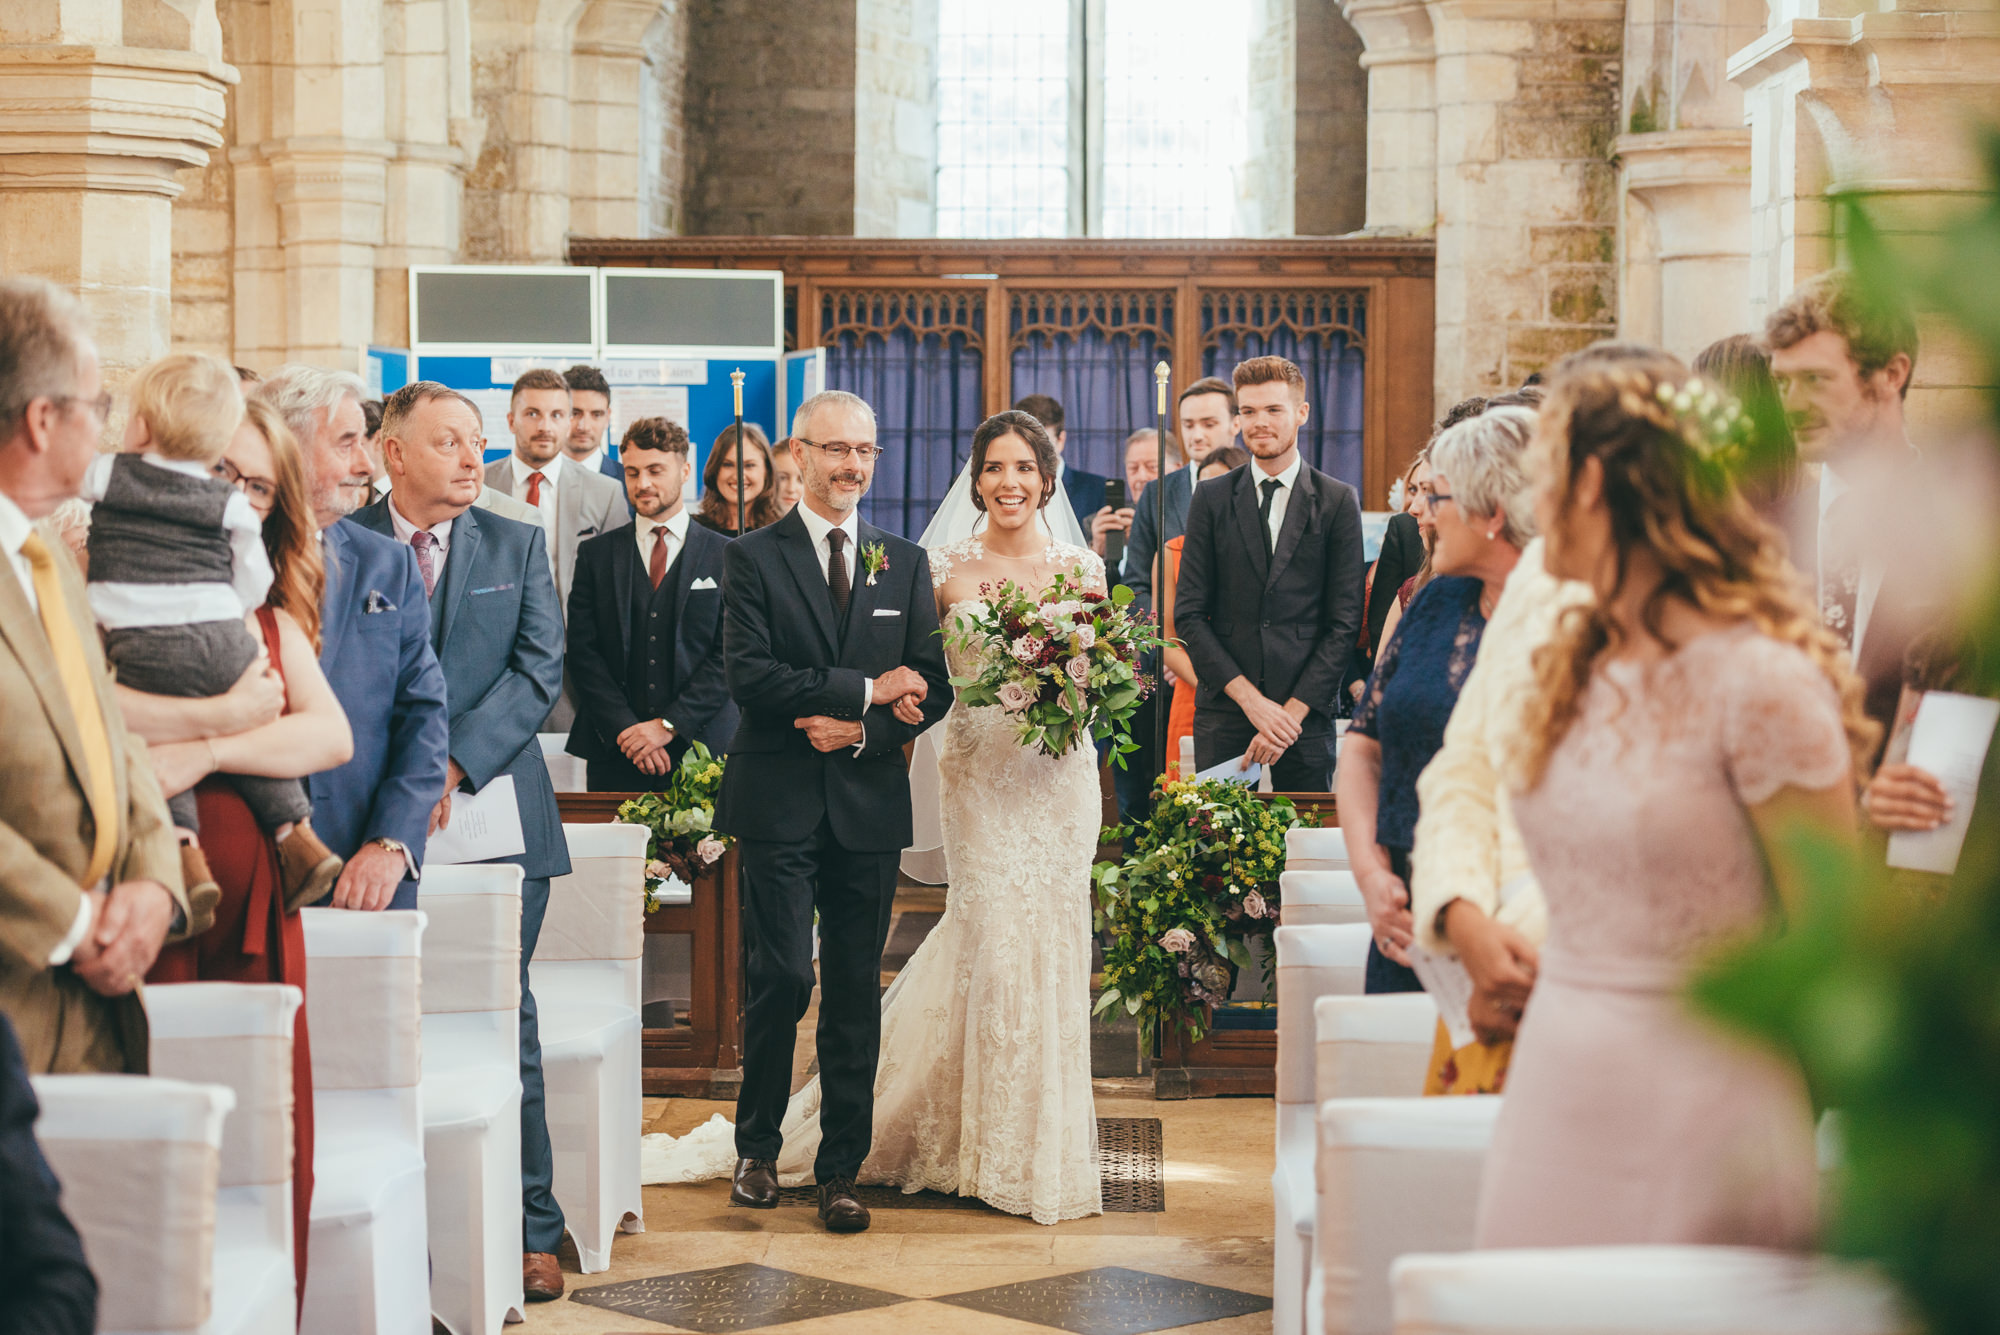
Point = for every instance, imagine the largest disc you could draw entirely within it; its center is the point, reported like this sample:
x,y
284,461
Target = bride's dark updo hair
x,y
1012,423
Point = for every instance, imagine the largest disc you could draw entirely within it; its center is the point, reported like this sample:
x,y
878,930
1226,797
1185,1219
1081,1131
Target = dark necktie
x,y
535,489
836,569
656,567
1271,486
426,559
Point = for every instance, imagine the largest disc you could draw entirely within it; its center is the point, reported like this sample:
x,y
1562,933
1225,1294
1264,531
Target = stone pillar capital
x,y
1675,159
1391,31
107,117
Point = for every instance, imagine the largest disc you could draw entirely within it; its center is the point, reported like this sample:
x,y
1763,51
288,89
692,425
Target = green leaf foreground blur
x,y
1888,997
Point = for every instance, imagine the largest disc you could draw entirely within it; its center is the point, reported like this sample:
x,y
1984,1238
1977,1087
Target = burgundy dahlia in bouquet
x,y
1064,665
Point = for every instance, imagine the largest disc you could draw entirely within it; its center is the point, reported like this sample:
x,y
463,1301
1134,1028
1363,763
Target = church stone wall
x,y
1331,151
770,110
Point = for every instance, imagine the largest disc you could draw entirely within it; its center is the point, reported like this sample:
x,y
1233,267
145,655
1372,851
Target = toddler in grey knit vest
x,y
177,562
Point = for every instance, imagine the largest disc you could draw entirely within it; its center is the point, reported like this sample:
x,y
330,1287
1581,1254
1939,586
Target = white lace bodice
x,y
968,560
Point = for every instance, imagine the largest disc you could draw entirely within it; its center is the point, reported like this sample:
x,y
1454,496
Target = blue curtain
x,y
1333,366
926,392
1105,386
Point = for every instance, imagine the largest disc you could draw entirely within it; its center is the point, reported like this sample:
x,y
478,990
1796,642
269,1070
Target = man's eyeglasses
x,y
261,491
101,405
840,449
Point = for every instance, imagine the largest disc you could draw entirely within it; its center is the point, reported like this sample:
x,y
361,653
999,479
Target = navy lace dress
x,y
1418,675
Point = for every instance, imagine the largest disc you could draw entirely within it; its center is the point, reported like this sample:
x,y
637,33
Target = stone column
x,y
518,203
895,118
99,108
1685,174
1402,114
1873,106
1526,192
311,179
617,110
427,90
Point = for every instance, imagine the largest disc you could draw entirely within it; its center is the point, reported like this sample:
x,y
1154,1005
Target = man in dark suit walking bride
x,y
833,657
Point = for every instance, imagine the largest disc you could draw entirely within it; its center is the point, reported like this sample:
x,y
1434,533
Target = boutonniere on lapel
x,y
875,560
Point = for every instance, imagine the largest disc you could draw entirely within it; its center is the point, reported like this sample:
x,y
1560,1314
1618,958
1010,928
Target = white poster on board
x,y
629,403
493,405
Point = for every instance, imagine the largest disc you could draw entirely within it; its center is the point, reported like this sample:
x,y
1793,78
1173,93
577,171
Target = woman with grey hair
x,y
1480,505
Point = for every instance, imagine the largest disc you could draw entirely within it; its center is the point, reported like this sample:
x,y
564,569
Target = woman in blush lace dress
x,y
1680,721
983,1087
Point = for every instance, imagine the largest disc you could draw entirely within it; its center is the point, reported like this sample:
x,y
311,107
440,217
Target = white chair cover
x,y
1395,1175
566,772
1320,898
239,1035
1309,849
586,974
1640,1291
1373,1047
367,1273
472,1093
1312,962
139,1157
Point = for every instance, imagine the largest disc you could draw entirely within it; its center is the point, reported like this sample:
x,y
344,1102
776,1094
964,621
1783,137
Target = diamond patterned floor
x,y
1110,1300
734,1297
1128,1165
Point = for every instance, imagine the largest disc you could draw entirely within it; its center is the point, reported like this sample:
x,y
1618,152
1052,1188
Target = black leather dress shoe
x,y
839,1209
755,1184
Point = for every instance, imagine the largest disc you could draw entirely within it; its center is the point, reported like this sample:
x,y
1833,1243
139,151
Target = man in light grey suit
x,y
573,503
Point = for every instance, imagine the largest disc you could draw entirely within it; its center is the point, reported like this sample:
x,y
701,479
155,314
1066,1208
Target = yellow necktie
x,y
74,669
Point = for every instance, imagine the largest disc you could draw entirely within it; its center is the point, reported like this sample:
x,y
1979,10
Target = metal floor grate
x,y
1129,1151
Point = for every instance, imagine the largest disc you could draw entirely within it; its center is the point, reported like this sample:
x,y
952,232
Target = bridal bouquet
x,y
681,819
1066,665
1201,878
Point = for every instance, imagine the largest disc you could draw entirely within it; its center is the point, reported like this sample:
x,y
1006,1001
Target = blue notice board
x,y
385,370
710,404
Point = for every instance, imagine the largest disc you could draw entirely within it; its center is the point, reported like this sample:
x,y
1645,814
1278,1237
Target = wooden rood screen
x,y
939,334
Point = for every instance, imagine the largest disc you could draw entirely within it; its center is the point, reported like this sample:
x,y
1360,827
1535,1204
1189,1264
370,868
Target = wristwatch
x,y
669,727
393,845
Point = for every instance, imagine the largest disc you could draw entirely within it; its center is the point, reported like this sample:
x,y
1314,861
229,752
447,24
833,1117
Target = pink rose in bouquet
x,y
1014,697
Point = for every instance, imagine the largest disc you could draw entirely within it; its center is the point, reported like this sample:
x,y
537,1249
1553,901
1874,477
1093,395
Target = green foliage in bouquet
x,y
1889,999
681,819
1201,876
1064,664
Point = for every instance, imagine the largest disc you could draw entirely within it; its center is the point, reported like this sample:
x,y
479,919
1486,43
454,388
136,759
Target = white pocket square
x,y
703,583
887,612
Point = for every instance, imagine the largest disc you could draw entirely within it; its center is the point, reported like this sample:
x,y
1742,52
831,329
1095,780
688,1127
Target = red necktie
x,y
656,568
535,489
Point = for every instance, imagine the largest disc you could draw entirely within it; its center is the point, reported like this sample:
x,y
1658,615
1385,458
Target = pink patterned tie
x,y
426,559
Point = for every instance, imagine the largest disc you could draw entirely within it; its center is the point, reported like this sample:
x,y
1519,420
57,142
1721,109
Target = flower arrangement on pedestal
x,y
1201,878
681,819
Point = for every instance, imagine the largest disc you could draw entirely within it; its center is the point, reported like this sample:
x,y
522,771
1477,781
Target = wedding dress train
x,y
983,1088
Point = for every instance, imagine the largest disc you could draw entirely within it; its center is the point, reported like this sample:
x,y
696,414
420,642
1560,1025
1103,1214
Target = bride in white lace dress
x,y
983,1088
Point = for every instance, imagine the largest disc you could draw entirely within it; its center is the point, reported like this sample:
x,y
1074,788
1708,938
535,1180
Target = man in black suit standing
x,y
1269,600
645,620
1085,489
49,1287
590,423
1207,413
832,651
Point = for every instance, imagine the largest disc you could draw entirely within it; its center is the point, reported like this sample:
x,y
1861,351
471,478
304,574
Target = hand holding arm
x,y
257,698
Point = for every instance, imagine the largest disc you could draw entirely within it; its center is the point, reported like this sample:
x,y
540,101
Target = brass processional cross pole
x,y
736,381
1161,373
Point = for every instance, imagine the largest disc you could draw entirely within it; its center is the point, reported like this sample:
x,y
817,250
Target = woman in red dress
x,y
281,721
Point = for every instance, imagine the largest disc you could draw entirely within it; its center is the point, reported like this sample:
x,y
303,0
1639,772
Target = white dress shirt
x,y
817,529
589,463
14,529
440,531
1831,489
677,534
551,472
1287,482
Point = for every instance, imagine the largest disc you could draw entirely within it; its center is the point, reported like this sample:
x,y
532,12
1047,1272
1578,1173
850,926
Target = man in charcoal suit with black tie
x,y
834,658
1269,600
645,627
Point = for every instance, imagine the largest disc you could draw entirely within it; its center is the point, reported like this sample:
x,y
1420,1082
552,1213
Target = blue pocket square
x,y
491,588
375,602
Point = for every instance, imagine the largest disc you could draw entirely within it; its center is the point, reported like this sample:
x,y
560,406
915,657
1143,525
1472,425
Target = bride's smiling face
x,y
1011,483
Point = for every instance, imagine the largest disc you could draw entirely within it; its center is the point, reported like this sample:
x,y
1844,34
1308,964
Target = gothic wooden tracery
x,y
993,304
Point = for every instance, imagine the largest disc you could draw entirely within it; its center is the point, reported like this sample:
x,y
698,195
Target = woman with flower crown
x,y
1681,719
983,1086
